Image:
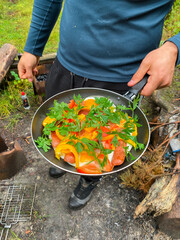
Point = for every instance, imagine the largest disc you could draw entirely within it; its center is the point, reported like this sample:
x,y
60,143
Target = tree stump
x,y
7,55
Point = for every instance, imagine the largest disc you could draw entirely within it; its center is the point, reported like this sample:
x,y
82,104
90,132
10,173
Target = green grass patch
x,y
15,18
11,105
172,23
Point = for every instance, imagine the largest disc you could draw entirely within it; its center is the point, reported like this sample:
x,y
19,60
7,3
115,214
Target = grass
x,y
172,23
11,102
15,18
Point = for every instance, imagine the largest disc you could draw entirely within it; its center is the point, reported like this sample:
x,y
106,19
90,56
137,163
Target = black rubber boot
x,y
82,193
56,172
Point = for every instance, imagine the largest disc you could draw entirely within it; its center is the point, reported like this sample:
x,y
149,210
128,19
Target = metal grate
x,y
16,205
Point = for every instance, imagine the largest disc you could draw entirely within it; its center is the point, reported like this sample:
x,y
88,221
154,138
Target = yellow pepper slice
x,y
110,136
48,120
87,104
62,148
84,157
135,131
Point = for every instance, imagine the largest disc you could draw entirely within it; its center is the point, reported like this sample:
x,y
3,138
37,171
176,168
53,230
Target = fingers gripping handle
x,y
133,92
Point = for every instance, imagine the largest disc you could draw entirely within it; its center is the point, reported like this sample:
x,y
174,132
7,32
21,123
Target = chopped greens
x,y
70,125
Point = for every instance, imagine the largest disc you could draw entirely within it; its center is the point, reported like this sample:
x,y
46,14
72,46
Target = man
x,y
106,44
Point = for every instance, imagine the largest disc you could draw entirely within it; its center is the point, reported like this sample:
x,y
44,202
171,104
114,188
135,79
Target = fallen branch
x,y
162,124
167,140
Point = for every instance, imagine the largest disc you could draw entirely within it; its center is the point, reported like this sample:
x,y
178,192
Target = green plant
x,y
16,77
14,236
11,106
15,18
172,22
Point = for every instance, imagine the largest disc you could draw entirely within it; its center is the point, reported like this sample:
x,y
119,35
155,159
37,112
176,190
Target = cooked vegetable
x,y
92,134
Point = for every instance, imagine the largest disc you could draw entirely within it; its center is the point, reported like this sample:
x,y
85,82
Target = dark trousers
x,y
60,79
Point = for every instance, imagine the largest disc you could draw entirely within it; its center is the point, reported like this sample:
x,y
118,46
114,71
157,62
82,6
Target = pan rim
x,y
91,89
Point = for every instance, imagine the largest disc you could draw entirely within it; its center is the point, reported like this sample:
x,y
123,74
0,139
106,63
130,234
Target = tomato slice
x,y
55,140
104,131
107,144
72,104
94,167
108,166
69,158
119,154
71,120
91,168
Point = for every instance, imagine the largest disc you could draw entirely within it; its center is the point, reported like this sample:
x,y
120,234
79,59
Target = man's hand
x,y
159,65
27,66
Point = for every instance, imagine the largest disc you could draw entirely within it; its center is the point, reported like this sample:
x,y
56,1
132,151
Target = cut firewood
x,y
162,194
7,55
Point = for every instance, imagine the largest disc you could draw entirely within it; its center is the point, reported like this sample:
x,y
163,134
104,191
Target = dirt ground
x,y
107,216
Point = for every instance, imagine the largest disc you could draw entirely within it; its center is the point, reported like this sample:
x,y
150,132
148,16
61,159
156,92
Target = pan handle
x,y
133,92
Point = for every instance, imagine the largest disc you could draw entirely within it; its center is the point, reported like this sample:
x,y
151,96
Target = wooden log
x,y
162,194
7,55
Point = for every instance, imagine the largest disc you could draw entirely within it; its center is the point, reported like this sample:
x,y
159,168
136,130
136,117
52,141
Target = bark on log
x,y
161,196
7,55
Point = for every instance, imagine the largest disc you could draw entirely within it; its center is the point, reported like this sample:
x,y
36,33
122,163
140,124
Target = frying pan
x,y
143,131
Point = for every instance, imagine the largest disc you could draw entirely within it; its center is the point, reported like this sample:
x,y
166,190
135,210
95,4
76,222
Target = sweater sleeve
x,y
176,40
44,17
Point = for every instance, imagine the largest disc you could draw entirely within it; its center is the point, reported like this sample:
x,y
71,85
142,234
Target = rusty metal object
x,y
11,161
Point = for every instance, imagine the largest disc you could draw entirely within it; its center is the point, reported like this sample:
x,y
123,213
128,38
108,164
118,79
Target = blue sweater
x,y
100,39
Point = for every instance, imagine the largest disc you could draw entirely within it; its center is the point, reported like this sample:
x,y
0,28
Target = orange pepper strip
x,y
63,147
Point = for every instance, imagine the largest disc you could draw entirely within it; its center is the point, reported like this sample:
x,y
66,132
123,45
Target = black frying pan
x,y
143,132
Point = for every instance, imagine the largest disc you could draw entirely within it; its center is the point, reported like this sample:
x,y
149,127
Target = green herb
x,y
50,127
44,143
